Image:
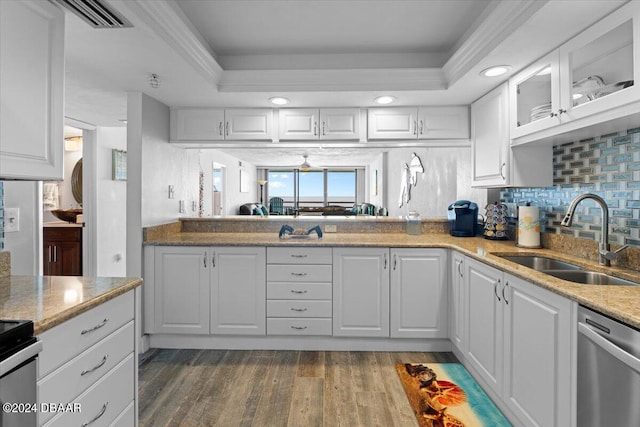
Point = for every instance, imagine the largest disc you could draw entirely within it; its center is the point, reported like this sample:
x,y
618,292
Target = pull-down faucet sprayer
x,y
605,255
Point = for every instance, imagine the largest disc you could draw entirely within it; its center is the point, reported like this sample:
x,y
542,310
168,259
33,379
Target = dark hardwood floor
x,y
275,388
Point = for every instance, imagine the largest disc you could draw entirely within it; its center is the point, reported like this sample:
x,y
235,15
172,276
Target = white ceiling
x,y
238,53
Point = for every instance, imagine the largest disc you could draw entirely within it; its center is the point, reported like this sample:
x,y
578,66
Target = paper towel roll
x,y
529,226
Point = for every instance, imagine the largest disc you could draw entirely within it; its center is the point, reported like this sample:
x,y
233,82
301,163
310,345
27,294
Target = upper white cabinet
x,y
31,84
593,73
323,124
361,292
419,293
418,123
211,124
495,162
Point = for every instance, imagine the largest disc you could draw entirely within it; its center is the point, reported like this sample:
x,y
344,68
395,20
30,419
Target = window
x,y
315,187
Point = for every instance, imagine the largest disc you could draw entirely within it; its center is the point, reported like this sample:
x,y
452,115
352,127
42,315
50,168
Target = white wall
x,y
111,210
232,197
376,167
446,178
24,244
66,200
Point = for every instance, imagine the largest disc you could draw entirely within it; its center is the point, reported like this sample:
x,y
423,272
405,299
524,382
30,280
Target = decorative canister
x,y
495,221
414,223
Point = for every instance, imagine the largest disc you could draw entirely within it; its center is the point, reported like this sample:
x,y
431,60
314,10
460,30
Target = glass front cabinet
x,y
592,73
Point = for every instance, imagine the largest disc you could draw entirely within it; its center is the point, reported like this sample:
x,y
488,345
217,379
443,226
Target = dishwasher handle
x,y
625,357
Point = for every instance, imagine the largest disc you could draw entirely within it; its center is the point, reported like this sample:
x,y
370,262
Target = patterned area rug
x,y
445,395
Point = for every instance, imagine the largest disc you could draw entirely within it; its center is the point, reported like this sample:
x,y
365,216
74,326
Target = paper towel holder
x,y
528,228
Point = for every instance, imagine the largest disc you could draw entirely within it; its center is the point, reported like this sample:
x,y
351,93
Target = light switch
x,y
11,220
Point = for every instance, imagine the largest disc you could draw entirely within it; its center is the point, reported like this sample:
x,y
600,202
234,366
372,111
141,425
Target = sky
x,y
339,184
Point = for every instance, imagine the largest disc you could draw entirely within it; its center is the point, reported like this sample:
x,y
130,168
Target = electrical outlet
x,y
181,208
11,220
330,228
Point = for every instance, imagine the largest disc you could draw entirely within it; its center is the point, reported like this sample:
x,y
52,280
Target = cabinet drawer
x,y
62,234
285,308
298,273
296,291
299,255
104,401
126,417
302,326
65,341
70,380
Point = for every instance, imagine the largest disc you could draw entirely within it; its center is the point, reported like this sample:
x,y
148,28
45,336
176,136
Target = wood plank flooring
x,y
275,388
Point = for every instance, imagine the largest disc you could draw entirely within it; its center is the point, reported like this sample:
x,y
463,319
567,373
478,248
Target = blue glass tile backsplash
x,y
609,166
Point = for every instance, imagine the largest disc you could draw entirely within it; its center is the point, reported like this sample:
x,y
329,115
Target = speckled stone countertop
x,y
620,302
50,300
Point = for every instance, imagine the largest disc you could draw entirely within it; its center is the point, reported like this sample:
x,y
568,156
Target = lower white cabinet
x,y
457,307
418,298
90,361
361,292
519,343
209,290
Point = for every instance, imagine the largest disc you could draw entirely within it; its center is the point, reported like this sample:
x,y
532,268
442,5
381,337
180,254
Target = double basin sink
x,y
567,271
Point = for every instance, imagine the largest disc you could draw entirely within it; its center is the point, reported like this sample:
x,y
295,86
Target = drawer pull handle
x,y
298,274
98,326
99,365
104,409
293,291
298,309
298,256
299,328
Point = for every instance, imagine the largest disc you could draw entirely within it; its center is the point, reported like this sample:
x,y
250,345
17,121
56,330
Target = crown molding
x,y
166,19
332,80
500,19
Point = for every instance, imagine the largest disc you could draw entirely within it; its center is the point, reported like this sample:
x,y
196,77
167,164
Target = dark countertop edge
x,y
76,310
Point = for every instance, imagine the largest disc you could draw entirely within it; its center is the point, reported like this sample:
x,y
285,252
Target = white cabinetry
x,y
31,84
418,123
324,124
457,306
361,292
182,289
299,291
210,124
90,360
238,290
587,81
495,162
519,343
418,293
208,290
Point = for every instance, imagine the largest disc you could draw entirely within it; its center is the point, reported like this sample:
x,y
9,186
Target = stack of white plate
x,y
540,111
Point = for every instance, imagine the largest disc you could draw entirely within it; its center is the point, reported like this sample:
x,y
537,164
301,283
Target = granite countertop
x,y
50,300
620,302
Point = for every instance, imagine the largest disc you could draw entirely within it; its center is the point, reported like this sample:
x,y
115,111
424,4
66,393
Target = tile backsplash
x,y
608,166
1,215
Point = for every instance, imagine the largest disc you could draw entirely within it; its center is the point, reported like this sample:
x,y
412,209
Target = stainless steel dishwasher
x,y
608,371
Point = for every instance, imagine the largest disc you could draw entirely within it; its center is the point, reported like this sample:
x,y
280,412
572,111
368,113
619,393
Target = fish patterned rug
x,y
445,395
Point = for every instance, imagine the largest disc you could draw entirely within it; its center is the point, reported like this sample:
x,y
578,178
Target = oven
x,y
608,371
18,352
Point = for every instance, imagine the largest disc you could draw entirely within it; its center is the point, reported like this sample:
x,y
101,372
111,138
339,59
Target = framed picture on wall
x,y
244,181
118,165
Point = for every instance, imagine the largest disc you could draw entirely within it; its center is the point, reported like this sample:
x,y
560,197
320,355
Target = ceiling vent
x,y
96,13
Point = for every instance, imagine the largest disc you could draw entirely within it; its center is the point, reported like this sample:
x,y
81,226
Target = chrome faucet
x,y
605,255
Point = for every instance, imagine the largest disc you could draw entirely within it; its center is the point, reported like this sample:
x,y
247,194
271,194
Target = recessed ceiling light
x,y
495,71
384,99
278,100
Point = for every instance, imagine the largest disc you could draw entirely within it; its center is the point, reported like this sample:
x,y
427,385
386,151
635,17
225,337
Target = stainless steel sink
x,y
590,277
541,263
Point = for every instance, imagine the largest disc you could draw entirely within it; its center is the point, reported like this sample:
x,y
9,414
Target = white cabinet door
x,y
393,123
298,124
419,293
250,124
484,322
340,123
490,137
197,124
31,84
457,306
181,282
238,290
443,122
361,292
537,356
